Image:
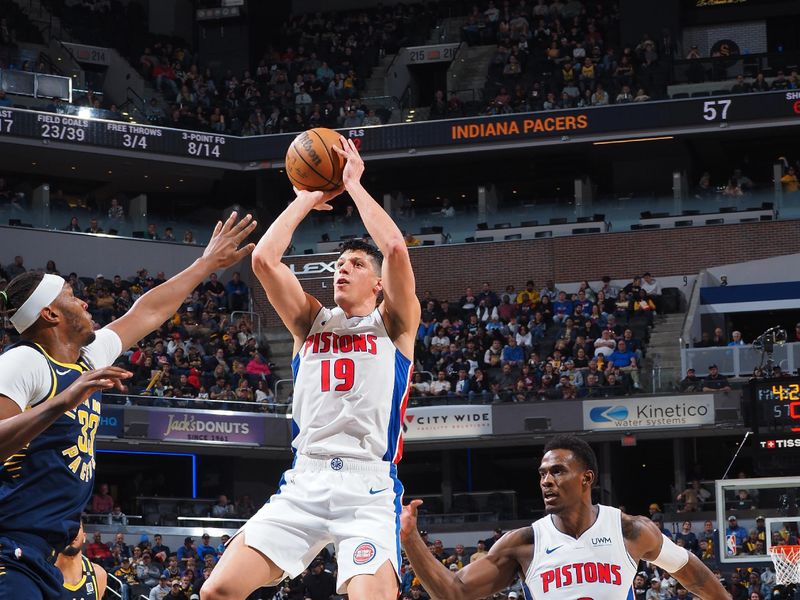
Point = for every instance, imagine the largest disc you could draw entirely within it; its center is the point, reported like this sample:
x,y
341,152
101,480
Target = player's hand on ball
x,y
354,166
90,382
223,248
318,200
408,519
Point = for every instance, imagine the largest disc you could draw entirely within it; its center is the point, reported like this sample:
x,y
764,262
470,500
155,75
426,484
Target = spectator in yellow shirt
x,y
789,181
530,294
411,241
480,553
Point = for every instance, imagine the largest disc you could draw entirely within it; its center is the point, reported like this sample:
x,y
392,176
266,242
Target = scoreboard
x,y
773,412
146,139
636,121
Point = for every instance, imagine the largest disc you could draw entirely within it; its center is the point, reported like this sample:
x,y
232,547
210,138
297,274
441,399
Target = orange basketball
x,y
311,164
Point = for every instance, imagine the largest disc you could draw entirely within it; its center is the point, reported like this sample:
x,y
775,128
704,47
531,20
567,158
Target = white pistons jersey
x,y
596,566
351,387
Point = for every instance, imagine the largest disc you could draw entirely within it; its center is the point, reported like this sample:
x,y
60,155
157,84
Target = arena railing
x,y
723,69
619,215
381,102
182,512
212,521
284,388
464,507
739,361
427,520
468,507
656,380
57,219
110,589
145,400
661,380
676,506
106,518
691,324
693,209
254,317
27,83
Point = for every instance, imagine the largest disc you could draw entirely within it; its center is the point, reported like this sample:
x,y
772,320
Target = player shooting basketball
x,y
352,367
578,550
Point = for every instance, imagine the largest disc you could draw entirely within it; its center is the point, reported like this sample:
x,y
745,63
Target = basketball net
x,y
787,563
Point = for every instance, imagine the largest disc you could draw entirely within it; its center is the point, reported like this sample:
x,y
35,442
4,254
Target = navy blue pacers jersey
x,y
86,588
46,485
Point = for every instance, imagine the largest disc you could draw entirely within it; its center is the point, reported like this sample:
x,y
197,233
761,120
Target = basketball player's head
x,y
74,547
37,302
358,274
567,473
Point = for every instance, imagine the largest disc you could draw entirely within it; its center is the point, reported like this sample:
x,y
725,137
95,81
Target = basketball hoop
x,y
787,563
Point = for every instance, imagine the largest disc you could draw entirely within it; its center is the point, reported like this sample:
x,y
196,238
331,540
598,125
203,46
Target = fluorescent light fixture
x,y
631,140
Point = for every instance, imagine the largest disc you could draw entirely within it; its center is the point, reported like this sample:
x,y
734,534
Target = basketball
x,y
311,162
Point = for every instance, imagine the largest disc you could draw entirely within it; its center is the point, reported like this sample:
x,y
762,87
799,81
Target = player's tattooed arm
x,y
643,540
700,581
631,528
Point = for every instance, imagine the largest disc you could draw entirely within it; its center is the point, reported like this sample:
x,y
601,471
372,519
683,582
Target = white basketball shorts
x,y
351,503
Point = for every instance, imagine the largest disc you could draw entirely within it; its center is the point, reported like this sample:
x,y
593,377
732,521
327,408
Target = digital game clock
x,y
772,409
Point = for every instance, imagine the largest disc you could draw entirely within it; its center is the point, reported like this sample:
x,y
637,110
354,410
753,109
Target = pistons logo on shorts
x,y
364,553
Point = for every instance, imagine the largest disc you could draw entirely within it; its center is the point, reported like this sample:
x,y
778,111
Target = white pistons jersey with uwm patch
x,y
596,566
351,387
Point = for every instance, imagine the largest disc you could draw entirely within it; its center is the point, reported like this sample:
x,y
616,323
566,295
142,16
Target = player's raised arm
x,y
397,278
295,308
160,303
477,580
644,539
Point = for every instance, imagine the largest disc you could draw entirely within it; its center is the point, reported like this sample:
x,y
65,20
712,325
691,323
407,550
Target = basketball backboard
x,y
783,531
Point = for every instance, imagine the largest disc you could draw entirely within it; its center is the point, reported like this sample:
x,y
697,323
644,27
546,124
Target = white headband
x,y
48,290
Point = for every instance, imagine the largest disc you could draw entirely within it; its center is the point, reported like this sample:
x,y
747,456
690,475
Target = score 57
x,y
6,121
716,110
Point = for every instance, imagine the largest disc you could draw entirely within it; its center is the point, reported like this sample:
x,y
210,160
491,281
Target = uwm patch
x,y
364,553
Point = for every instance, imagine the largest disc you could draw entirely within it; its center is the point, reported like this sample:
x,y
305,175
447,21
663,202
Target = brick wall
x,y
751,37
447,270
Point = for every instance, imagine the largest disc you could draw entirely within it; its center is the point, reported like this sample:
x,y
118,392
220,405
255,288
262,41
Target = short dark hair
x,y
368,249
580,449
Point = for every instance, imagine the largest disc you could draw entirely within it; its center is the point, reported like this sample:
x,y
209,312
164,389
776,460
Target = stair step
x,y
663,351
